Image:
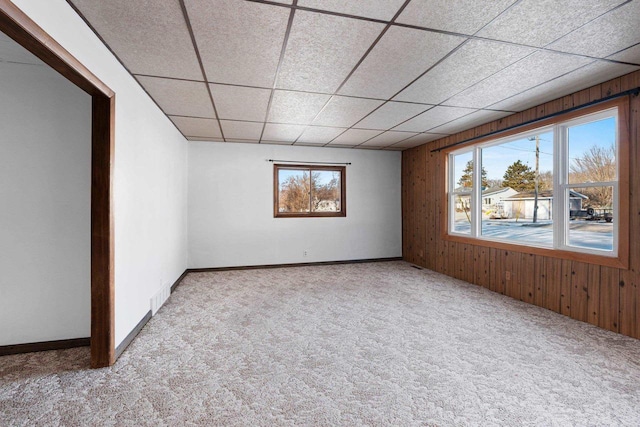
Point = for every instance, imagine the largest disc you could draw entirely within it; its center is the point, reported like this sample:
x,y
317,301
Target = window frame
x,y
619,257
309,167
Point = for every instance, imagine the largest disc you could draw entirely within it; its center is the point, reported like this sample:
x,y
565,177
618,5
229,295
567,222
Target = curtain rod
x,y
635,91
300,162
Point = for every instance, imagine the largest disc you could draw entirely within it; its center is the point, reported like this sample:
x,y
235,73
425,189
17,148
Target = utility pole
x,y
537,180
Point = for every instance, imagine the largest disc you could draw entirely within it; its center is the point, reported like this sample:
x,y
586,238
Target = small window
x,y
309,191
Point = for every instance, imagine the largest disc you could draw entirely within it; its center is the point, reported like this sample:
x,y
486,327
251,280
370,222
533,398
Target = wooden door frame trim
x,y
18,26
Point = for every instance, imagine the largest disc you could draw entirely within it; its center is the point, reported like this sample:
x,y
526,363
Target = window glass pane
x,y
294,187
462,213
325,191
463,172
517,193
592,152
591,217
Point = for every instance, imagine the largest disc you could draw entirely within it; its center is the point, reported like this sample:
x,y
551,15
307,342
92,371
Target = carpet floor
x,y
358,344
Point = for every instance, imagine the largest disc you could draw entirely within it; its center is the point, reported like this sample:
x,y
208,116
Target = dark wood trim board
x,y
6,350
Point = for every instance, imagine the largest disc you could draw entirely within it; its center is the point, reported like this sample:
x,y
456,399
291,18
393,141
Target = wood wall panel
x,y
604,296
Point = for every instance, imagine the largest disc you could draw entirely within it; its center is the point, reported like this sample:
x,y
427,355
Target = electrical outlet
x,y
304,253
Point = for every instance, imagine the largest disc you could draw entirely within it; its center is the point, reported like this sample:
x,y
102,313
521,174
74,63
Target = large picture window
x,y
552,187
309,191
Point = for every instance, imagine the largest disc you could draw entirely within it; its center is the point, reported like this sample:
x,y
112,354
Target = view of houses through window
x,y
309,191
553,187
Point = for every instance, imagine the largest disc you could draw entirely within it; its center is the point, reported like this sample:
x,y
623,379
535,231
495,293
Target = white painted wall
x,y
150,177
231,219
45,206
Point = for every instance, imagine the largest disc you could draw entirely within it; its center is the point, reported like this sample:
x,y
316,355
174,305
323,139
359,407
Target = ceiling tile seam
x,y
367,140
511,6
360,61
285,42
91,27
543,83
624,48
185,15
588,22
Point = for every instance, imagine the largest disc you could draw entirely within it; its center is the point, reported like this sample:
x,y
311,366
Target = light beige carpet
x,y
361,344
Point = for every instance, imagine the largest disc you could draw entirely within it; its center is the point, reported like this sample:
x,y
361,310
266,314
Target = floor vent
x,y
160,298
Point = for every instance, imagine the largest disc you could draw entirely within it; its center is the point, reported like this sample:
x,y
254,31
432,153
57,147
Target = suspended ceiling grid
x,y
389,74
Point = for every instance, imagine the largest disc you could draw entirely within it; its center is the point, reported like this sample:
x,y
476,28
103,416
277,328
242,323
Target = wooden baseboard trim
x,y
177,282
125,343
303,264
6,350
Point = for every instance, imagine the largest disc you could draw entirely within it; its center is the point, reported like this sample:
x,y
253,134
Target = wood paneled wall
x,y
604,296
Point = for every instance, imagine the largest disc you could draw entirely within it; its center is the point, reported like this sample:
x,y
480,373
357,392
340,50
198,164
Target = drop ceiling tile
x,y
243,141
239,41
197,128
594,73
179,97
241,130
434,117
344,111
295,107
323,49
474,61
460,16
399,57
384,10
319,134
355,137
628,55
137,33
610,33
524,74
387,138
390,114
419,139
280,132
477,118
539,22
241,103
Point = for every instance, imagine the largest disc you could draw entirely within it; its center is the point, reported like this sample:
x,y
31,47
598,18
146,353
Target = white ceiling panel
x,y
390,114
628,55
399,57
295,107
355,137
459,16
474,61
606,35
137,33
582,78
344,111
279,132
197,128
179,97
539,22
525,74
376,9
239,41
387,138
319,134
323,49
474,119
419,139
241,103
241,130
434,117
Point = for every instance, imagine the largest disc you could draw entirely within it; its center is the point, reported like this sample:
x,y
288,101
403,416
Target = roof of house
x,y
544,194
